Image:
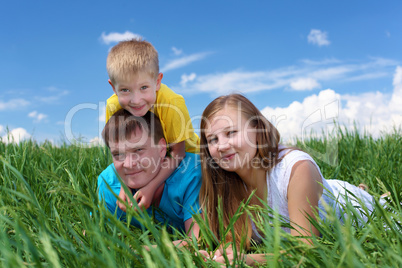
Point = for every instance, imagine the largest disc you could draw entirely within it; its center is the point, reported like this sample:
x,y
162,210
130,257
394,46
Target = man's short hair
x,y
123,124
130,57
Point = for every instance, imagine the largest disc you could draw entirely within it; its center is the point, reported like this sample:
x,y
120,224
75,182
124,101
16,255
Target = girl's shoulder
x,y
279,176
289,156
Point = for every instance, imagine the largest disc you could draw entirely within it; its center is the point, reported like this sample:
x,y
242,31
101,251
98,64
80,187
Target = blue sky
x,y
304,64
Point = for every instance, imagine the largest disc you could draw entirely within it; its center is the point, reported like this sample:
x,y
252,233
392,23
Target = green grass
x,y
48,195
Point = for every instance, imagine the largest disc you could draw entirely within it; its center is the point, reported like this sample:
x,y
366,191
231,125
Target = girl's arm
x,y
191,228
249,259
304,191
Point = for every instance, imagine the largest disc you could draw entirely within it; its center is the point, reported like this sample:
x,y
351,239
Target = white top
x,y
278,182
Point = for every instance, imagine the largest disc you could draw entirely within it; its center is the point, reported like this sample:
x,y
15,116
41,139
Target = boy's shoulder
x,y
166,95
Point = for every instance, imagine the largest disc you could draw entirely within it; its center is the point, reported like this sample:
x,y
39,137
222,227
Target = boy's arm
x,y
144,196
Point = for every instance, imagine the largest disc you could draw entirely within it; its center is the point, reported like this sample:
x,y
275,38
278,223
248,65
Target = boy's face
x,y
138,94
138,160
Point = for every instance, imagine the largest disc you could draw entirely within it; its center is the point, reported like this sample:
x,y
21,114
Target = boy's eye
x,y
231,132
124,90
144,87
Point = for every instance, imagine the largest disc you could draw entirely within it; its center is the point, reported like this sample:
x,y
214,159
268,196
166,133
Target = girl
x,y
240,153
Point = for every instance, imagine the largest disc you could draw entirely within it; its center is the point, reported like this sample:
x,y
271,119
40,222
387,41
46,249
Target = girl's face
x,y
231,140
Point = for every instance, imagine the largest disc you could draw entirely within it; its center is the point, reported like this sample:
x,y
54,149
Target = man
x,y
139,151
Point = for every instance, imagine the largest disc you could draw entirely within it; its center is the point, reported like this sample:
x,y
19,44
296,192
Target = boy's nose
x,y
135,99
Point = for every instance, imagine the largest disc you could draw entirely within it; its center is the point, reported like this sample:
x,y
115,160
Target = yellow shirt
x,y
172,111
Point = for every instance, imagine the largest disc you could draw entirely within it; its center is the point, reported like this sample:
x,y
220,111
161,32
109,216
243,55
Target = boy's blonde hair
x,y
128,58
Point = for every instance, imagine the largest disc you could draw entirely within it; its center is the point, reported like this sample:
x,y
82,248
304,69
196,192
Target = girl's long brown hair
x,y
218,183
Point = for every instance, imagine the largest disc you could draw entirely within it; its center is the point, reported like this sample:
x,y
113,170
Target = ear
x,y
110,82
162,147
159,81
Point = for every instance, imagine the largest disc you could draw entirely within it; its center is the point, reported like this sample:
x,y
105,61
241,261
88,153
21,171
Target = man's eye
x,y
119,157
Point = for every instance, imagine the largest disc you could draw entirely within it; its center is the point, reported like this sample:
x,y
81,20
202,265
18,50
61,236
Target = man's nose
x,y
130,161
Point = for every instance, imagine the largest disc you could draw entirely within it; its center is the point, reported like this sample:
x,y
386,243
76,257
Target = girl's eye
x,y
232,132
212,140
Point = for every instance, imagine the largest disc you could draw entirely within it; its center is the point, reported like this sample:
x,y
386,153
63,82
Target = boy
x,y
138,149
133,69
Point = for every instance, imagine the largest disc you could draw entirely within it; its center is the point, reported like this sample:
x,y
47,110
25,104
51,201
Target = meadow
x,y
50,215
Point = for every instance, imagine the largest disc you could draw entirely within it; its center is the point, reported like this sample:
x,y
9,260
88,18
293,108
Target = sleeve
x,y
112,106
173,113
191,196
108,177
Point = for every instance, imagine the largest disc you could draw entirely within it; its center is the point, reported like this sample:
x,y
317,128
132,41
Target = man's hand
x,y
144,197
123,197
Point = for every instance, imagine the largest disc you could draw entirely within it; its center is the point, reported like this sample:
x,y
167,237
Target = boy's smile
x,y
138,94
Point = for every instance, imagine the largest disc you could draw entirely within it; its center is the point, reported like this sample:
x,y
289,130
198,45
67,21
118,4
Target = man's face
x,y
138,160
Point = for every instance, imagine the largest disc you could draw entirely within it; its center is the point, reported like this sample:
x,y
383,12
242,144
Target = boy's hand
x,y
122,196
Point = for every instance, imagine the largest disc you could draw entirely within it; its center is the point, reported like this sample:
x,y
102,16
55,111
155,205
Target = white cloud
x,y
16,135
187,78
367,76
183,61
373,112
177,51
223,83
96,141
334,72
321,62
388,34
318,37
102,113
114,37
299,118
304,84
307,75
396,98
38,117
51,99
13,104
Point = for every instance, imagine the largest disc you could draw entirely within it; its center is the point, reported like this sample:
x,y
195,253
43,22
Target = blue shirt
x,y
179,199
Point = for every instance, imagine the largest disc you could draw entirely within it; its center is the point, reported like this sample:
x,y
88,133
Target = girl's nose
x,y
223,146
